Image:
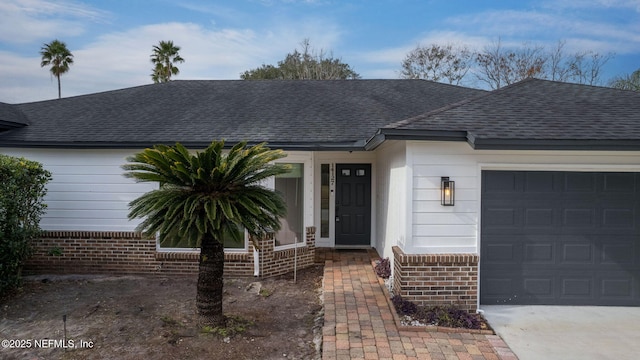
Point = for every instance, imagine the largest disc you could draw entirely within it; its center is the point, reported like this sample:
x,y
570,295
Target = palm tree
x,y
201,198
165,54
59,57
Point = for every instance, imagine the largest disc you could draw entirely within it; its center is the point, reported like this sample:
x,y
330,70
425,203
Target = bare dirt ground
x,y
155,318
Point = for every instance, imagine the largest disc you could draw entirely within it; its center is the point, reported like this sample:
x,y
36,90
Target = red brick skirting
x,y
75,252
427,328
437,279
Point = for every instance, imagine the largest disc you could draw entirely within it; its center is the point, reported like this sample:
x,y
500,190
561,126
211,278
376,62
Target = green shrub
x,y
23,187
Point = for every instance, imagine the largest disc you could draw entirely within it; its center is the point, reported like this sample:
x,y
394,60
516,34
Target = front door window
x,y
325,200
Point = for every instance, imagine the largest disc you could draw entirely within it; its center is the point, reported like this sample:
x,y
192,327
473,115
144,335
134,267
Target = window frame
x,y
306,159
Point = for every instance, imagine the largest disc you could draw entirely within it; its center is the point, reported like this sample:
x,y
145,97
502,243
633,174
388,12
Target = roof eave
x,y
556,144
311,146
479,143
409,134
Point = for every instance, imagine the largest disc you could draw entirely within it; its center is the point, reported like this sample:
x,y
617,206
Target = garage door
x,y
565,238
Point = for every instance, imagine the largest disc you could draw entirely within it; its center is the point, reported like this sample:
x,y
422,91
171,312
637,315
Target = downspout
x,y
295,261
256,262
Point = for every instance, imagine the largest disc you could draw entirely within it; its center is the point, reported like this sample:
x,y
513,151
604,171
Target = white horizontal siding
x,y
390,197
71,205
455,229
62,195
434,206
432,194
434,218
86,214
437,228
434,249
445,231
84,186
96,179
88,191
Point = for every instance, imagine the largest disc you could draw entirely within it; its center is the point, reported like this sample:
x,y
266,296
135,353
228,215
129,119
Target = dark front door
x,y
353,205
560,238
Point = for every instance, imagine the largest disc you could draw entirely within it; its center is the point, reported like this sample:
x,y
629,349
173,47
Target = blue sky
x,y
112,40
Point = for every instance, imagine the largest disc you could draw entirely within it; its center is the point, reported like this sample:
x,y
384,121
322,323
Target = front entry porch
x,y
344,206
353,205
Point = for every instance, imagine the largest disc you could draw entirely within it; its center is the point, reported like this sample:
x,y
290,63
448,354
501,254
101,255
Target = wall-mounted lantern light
x,y
448,191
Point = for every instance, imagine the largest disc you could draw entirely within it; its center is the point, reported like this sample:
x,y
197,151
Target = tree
x,y
559,65
437,63
165,54
498,66
59,57
203,197
586,67
305,65
627,82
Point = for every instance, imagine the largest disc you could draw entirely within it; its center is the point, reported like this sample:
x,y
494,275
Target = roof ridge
x,y
438,111
466,101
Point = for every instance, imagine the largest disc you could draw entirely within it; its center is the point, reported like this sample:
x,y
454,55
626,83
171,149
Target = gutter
x,y
554,144
384,134
478,143
317,146
381,135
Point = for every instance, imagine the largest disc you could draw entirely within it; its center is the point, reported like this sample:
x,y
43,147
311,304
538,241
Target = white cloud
x,y
391,58
22,21
543,27
23,81
593,4
228,40
515,27
121,59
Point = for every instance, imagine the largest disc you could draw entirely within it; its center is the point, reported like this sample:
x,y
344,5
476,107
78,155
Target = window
x,y
230,242
239,241
324,200
173,243
291,186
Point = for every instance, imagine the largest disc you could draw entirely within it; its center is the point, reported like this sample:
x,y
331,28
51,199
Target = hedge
x,y
21,206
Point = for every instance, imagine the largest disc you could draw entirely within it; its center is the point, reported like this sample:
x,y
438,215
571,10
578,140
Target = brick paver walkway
x,y
359,323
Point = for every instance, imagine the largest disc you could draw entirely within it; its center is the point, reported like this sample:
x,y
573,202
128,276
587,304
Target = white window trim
x,y
307,160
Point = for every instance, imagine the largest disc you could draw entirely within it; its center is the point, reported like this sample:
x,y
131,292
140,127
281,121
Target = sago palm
x,y
164,55
59,57
201,197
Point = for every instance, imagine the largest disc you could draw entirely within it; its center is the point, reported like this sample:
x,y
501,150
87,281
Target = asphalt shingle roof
x,y
297,113
537,114
11,117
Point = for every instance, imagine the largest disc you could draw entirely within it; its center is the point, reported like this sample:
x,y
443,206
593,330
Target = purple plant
x,y
404,307
462,318
383,268
448,316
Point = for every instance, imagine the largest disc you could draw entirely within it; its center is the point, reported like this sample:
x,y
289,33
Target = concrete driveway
x,y
567,332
